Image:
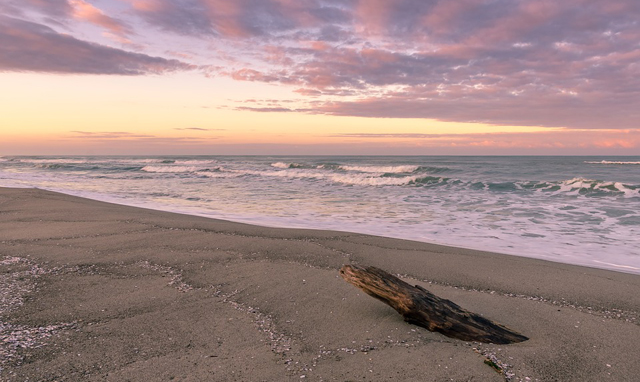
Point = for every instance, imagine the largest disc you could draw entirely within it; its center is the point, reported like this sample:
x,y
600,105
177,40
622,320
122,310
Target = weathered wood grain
x,y
420,307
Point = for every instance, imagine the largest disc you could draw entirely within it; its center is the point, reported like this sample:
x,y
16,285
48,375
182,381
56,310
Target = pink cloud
x,y
526,63
373,15
60,12
446,15
277,55
148,5
252,75
86,12
516,25
236,19
308,92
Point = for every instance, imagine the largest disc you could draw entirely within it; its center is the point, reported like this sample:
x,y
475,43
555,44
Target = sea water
x,y
577,210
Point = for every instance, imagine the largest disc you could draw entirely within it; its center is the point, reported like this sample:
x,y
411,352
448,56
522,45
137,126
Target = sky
x,y
361,77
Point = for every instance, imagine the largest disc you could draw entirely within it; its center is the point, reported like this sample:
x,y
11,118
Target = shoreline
x,y
564,211
273,224
149,294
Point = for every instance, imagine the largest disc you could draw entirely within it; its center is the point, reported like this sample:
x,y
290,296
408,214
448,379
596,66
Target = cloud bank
x,y
573,63
31,47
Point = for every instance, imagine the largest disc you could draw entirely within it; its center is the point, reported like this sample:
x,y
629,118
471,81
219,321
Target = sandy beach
x,y
101,292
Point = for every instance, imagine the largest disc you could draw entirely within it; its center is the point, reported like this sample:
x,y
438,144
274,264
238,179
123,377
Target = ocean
x,y
576,210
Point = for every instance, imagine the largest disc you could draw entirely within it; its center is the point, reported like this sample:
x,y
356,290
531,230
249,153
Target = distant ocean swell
x,y
402,175
581,210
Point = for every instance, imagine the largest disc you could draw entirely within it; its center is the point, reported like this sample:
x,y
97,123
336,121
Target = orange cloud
x,y
552,139
627,144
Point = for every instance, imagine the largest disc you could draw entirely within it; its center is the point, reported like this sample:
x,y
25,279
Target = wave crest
x,y
381,169
365,180
585,186
171,169
612,162
287,165
195,161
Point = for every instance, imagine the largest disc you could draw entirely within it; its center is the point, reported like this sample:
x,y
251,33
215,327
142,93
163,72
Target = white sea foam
x,y
292,173
218,174
366,179
170,169
381,169
196,162
628,192
83,160
363,180
575,185
286,165
612,162
617,265
54,161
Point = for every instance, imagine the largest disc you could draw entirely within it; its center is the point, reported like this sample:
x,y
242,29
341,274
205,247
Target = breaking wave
x,y
411,176
288,165
590,186
172,169
194,162
54,161
381,169
612,162
575,186
364,180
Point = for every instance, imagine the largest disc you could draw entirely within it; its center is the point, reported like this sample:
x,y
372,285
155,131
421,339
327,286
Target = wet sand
x,y
101,292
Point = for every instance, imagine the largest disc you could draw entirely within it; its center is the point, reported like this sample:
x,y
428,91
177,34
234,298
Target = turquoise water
x,y
578,210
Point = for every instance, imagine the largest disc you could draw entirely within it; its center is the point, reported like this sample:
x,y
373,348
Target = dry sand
x,y
101,292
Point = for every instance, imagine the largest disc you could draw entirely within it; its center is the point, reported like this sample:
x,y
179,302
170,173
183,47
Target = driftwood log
x,y
420,307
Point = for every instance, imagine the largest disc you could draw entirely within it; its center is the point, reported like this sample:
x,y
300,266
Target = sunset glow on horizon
x,y
317,77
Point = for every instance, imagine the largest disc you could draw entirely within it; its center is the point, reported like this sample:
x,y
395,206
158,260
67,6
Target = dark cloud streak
x,y
241,18
29,47
126,137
